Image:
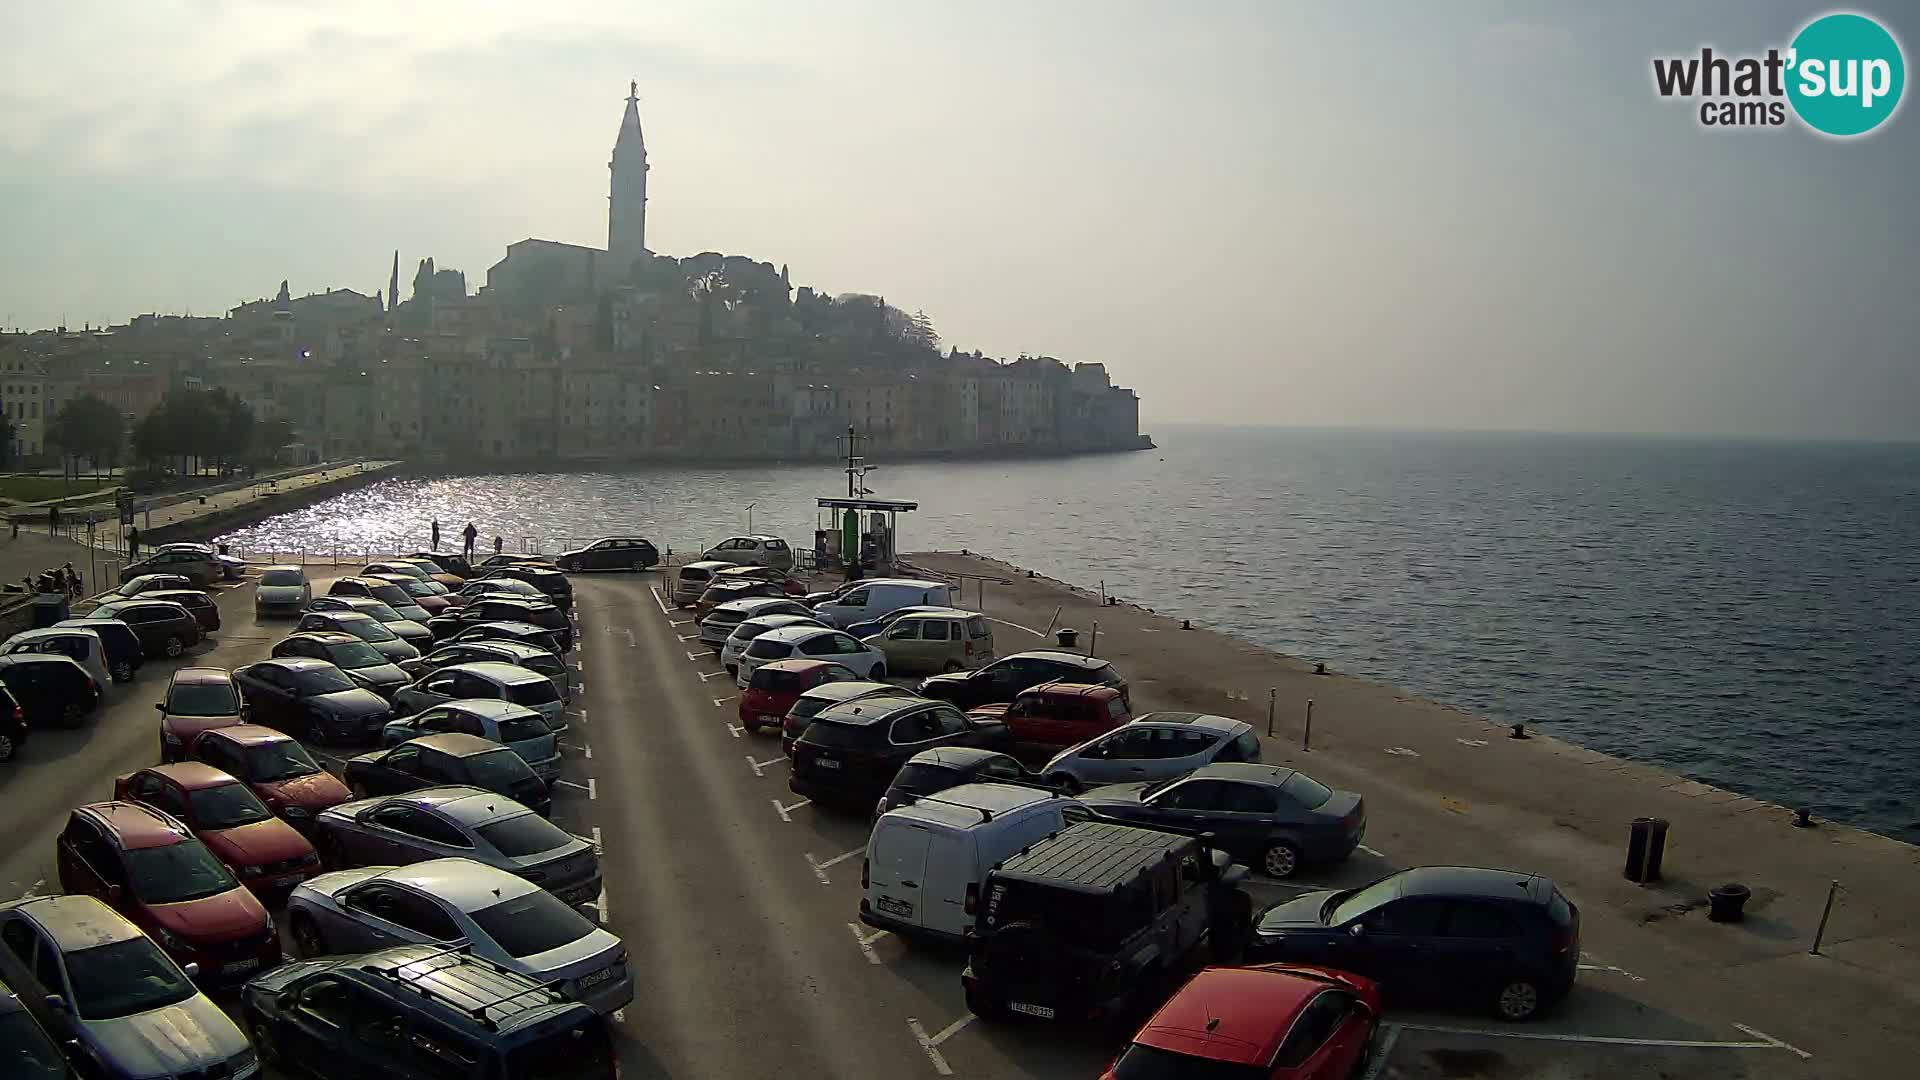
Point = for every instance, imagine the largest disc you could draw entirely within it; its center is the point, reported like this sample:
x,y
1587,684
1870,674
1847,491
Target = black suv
x,y
421,1010
613,553
1098,919
851,751
1003,679
1500,938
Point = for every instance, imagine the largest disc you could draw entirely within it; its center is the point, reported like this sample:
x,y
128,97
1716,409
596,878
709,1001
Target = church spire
x,y
627,200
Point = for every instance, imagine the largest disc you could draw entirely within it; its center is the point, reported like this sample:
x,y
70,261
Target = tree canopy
x,y
89,427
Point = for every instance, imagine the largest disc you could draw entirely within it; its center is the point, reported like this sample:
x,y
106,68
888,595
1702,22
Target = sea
x,y
1744,613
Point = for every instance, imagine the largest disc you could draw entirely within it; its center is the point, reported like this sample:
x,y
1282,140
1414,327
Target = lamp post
x,y
750,507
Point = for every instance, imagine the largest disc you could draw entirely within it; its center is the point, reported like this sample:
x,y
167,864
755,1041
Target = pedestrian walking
x,y
53,520
72,577
436,536
497,543
133,543
471,535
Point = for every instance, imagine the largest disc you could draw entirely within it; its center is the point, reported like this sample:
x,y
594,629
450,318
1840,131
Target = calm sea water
x,y
1747,614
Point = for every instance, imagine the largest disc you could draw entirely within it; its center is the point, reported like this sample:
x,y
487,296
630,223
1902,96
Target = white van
x,y
875,598
927,862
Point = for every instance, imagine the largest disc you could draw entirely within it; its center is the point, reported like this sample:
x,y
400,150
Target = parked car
x,y
548,579
150,868
205,612
270,856
197,566
500,559
432,760
691,579
1003,679
363,626
429,595
499,916
25,1046
484,609
721,621
874,597
163,627
442,562
13,725
198,700
49,689
1056,715
927,862
278,769
1505,940
413,633
312,699
780,577
723,590
479,587
515,1027
801,711
1155,746
531,657
78,644
495,681
813,643
931,772
514,726
282,590
231,566
371,588
522,633
613,553
748,629
851,751
774,687
1272,818
937,641
146,583
868,628
361,662
758,550
1285,1023
124,654
120,1005
464,822
1082,924
407,568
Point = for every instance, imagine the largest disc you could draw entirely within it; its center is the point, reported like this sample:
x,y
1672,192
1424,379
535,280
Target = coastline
x,y
711,459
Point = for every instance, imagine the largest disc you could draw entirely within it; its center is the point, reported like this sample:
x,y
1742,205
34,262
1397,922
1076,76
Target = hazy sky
x,y
1430,215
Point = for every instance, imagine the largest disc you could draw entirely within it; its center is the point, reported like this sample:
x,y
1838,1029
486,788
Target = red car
x,y
1056,715
775,686
225,814
149,868
198,699
276,767
1270,1022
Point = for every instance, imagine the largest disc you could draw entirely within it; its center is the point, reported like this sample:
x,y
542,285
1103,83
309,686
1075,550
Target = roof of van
x,y
914,583
960,806
706,564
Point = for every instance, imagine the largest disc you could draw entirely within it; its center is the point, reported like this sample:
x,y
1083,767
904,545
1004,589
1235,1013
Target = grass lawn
x,y
40,488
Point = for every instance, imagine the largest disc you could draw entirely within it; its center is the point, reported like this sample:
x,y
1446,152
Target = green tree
x,y
88,427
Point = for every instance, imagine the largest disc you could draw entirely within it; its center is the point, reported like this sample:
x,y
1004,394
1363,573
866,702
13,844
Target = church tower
x,y
627,205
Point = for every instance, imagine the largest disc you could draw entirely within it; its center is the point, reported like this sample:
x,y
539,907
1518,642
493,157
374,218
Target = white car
x,y
743,635
723,618
752,551
83,647
812,643
282,588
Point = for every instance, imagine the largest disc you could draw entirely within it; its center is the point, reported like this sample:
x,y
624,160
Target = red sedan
x,y
1270,1022
277,767
775,686
225,814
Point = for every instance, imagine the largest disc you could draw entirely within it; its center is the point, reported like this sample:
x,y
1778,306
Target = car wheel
x,y
175,646
262,1035
1518,999
123,671
307,940
639,566
984,1005
1281,860
72,715
877,673
7,747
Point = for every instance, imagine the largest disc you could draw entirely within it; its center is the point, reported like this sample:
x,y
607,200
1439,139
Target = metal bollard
x,y
1272,694
1821,933
1306,736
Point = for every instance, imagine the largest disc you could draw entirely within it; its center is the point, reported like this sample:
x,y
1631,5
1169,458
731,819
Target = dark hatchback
x,y
163,627
118,642
1003,679
312,699
525,633
360,661
549,580
1272,818
449,758
853,750
1503,939
50,689
931,772
613,553
487,609
205,611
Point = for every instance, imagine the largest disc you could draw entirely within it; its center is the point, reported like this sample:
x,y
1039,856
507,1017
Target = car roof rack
x,y
477,1012
985,814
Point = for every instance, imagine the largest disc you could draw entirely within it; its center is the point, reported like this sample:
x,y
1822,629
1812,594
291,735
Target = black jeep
x,y
1099,919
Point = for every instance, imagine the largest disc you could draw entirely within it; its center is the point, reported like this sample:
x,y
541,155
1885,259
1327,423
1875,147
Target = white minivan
x,y
927,862
875,598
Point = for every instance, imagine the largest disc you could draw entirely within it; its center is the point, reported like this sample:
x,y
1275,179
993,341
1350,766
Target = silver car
x,y
506,919
531,657
1154,746
456,821
413,633
486,679
516,727
720,622
106,987
743,635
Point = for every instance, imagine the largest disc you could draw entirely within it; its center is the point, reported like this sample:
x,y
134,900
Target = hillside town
x,y
572,353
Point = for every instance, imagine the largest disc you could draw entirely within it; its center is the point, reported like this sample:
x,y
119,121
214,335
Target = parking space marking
x,y
580,665
735,730
592,790
705,675
678,622
1609,967
1401,751
952,1029
758,767
1762,1042
820,868
866,940
656,599
689,637
34,890
693,656
1371,851
932,1048
598,847
721,701
1381,1055
632,642
1796,1051
785,811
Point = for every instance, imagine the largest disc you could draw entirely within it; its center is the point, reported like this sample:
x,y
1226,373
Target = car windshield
x,y
283,578
497,770
366,630
321,680
544,663
532,923
523,728
416,587
124,978
227,806
1343,908
279,760
378,610
527,834
26,1050
533,693
176,873
1307,791
203,699
1142,1062
350,655
391,594
584,1052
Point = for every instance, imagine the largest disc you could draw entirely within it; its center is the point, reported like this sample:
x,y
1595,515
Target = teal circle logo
x,y
1845,74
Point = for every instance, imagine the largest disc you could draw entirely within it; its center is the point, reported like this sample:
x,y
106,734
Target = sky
x,y
1436,216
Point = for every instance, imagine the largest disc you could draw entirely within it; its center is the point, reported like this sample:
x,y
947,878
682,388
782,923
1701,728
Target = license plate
x,y
773,721
826,763
596,978
1040,1011
894,907
239,966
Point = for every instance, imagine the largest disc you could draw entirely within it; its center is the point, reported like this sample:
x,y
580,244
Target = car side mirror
x,y
160,707
1357,930
56,1003
192,970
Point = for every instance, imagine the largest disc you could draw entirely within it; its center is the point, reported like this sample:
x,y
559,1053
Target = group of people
x,y
469,534
60,580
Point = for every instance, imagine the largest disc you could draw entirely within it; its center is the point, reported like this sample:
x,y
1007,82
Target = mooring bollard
x,y
1519,732
1803,818
1821,933
1306,736
1186,624
1272,695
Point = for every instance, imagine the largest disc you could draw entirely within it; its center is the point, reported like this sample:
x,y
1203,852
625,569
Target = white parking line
x,y
1609,967
598,847
589,787
720,701
657,600
33,890
1762,1042
950,1030
866,940
932,1048
695,657
680,622
1796,1051
1371,851
820,868
689,637
735,730
784,811
632,642
705,675
758,766
580,665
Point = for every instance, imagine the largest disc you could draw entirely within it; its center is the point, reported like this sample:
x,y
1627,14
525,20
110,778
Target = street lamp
x,y
750,507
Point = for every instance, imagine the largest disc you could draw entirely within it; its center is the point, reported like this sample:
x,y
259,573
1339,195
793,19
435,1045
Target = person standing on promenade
x,y
497,543
435,546
53,520
133,543
471,534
